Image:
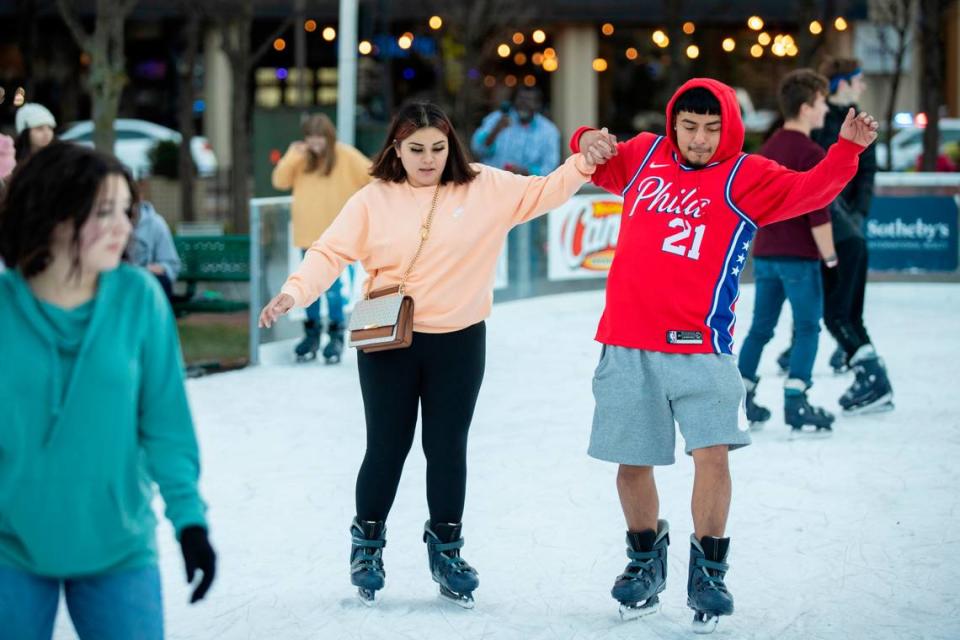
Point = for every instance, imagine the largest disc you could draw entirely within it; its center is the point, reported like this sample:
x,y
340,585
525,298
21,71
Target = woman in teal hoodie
x,y
93,410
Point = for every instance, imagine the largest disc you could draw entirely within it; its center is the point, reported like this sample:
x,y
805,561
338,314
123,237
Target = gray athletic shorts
x,y
640,394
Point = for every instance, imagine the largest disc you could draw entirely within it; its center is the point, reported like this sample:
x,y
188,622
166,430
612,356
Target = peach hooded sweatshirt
x,y
452,282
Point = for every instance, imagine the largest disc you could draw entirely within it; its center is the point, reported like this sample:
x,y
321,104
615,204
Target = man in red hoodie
x,y
692,203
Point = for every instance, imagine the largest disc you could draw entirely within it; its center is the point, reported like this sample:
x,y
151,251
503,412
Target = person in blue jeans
x,y
93,410
787,261
323,174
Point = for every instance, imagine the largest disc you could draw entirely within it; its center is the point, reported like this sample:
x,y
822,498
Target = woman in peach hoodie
x,y
421,163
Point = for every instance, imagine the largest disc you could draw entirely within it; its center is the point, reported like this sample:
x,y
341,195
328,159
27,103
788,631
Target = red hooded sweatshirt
x,y
685,233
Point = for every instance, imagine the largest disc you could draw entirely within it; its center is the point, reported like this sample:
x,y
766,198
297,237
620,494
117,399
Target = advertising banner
x,y
583,237
912,233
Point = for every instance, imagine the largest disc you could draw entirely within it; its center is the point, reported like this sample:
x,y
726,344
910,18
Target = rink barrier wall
x,y
912,231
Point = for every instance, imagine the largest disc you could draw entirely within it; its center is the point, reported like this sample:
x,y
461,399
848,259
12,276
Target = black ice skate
x,y
456,578
645,577
366,558
799,413
307,349
838,361
334,348
707,594
756,414
871,391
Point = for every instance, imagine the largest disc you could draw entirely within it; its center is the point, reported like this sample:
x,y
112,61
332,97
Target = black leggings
x,y
844,289
442,372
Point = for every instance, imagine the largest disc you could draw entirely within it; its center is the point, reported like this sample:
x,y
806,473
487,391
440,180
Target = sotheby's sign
x,y
913,233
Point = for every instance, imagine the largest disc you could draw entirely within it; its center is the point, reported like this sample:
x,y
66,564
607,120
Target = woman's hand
x,y
277,307
598,146
298,145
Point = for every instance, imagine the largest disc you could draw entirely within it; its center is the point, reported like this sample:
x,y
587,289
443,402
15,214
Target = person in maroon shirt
x,y
787,261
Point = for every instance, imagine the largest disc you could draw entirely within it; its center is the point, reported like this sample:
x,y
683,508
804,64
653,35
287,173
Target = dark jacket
x,y
853,204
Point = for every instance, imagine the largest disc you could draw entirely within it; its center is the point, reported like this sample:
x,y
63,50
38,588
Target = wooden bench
x,y
211,259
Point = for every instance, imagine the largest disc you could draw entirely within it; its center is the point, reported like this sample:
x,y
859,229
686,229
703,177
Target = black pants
x,y
844,288
442,373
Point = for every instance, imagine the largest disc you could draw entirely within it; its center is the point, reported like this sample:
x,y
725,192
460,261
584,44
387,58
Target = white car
x,y
756,120
135,139
908,144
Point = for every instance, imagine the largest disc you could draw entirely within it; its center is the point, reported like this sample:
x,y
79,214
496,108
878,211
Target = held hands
x,y
860,129
298,145
277,307
598,146
198,555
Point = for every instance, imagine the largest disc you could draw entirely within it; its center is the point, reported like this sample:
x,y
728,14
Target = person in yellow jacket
x,y
323,174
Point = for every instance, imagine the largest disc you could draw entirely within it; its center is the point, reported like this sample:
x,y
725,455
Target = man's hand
x,y
598,146
860,129
156,269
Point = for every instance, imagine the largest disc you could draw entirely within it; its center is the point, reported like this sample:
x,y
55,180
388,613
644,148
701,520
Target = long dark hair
x,y
22,146
320,125
411,118
59,183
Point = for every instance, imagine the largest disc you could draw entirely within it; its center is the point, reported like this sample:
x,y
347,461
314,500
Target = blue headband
x,y
840,77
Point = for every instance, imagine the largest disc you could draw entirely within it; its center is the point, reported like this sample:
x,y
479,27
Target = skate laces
x,y
640,563
451,563
367,554
713,581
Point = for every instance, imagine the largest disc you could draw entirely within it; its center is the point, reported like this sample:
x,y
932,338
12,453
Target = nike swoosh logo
x,y
658,165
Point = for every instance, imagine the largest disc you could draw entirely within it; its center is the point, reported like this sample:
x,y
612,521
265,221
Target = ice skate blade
x,y
704,623
333,360
757,426
307,357
818,433
884,404
367,596
462,600
637,611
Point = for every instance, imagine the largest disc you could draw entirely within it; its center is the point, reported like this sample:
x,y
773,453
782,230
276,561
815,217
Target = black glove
x,y
198,554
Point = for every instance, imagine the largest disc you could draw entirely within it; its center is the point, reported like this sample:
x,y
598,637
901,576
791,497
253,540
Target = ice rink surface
x,y
855,536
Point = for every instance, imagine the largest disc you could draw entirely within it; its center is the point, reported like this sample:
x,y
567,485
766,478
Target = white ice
x,y
855,536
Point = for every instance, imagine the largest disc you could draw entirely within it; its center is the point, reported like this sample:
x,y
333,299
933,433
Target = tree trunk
x,y
898,14
891,110
236,44
109,76
107,62
240,169
932,78
236,32
188,92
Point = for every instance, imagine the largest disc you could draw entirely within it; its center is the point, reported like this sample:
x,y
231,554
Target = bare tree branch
x,y
83,39
266,44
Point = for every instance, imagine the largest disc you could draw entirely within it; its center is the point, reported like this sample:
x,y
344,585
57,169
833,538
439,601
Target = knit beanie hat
x,y
33,115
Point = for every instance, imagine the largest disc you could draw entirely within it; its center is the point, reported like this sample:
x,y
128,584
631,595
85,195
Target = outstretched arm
x,y
767,192
343,243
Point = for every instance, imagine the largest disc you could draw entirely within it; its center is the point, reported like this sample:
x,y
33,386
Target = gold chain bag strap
x,y
384,318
